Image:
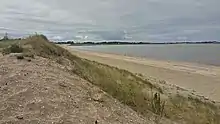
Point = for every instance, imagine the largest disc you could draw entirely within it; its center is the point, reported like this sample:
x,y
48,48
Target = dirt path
x,y
41,91
203,79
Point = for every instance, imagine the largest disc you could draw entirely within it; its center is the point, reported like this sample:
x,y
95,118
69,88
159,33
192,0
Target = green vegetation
x,y
4,44
141,95
14,48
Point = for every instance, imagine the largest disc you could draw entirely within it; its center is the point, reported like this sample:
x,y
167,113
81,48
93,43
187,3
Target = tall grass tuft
x,y
157,104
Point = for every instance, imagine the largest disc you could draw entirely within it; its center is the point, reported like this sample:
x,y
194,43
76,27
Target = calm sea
x,y
197,53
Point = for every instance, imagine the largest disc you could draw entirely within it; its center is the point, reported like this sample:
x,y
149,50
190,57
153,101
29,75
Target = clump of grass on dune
x,y
39,45
131,90
14,48
192,109
6,43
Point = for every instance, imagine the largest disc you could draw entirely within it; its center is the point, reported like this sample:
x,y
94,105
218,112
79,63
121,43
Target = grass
x,y
157,104
192,110
141,95
14,48
5,44
121,84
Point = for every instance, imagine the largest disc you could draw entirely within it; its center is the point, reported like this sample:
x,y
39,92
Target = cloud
x,y
151,20
57,38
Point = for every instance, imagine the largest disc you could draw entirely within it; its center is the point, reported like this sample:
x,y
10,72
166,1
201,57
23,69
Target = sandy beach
x,y
203,79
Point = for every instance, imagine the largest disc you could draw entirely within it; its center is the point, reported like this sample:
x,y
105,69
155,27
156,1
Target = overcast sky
x,y
149,20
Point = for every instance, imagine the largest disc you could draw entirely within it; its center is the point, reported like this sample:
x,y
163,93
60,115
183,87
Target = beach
x,y
202,79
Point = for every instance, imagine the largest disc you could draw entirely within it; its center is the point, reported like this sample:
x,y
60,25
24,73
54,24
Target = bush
x,y
14,48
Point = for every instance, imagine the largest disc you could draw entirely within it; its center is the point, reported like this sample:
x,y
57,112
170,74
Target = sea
x,y
208,54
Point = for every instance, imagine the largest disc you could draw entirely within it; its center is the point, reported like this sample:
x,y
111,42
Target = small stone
x,y
96,122
20,117
62,85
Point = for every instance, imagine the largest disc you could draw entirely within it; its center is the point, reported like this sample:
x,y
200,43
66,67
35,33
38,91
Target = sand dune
x,y
42,91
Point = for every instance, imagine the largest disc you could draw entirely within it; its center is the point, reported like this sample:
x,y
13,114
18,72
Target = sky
x,y
145,20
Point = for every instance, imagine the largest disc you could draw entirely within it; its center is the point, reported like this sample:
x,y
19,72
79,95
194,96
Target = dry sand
x,y
44,92
203,79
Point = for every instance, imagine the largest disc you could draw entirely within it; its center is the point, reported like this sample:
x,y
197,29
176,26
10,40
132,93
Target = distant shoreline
x,y
132,43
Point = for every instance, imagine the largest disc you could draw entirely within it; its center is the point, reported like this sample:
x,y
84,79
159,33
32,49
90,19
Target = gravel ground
x,y
42,91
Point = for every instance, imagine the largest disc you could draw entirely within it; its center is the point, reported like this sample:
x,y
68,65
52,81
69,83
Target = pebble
x,y
20,117
96,122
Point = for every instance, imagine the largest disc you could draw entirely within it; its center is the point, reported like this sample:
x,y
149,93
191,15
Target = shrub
x,y
5,51
14,48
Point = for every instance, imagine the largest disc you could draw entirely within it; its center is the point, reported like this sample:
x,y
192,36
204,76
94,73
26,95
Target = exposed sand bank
x,y
42,91
203,79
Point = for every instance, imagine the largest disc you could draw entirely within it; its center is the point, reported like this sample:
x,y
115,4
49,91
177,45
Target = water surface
x,y
196,53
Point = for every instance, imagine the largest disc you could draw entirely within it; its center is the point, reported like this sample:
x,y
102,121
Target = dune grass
x,y
6,43
128,88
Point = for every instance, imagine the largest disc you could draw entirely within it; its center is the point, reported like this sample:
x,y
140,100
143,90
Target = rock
x,y
96,122
97,96
20,117
15,54
29,60
62,85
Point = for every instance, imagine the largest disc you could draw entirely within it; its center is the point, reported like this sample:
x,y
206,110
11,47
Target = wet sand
x,y
204,79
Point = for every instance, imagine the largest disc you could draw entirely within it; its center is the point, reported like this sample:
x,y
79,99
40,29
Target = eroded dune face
x,y
42,91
